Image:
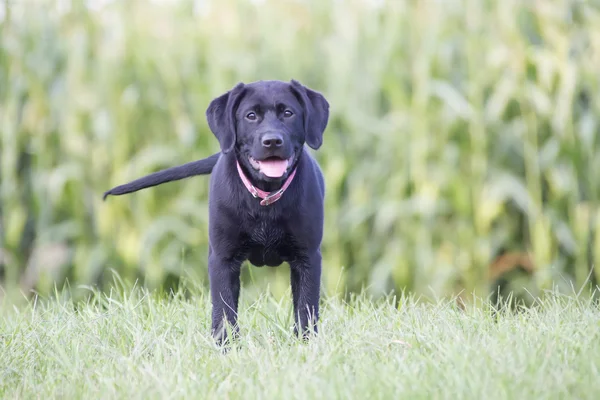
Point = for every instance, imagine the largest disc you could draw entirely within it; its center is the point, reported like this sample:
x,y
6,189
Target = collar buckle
x,y
272,198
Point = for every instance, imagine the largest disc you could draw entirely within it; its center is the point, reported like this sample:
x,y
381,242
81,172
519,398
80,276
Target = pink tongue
x,y
273,168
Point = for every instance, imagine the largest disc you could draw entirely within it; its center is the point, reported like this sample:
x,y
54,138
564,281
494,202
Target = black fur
x,y
247,120
200,167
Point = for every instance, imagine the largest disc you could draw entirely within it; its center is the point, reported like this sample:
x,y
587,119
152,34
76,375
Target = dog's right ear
x,y
220,115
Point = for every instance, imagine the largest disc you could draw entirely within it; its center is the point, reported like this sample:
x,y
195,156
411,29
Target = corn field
x,y
463,138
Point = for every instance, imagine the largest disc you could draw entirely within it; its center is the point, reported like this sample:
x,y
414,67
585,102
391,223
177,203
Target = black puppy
x,y
266,193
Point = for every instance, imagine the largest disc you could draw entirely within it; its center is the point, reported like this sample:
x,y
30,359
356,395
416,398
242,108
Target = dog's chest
x,y
266,234
267,244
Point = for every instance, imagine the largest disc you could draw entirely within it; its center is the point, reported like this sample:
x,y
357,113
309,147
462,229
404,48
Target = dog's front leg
x,y
224,276
306,283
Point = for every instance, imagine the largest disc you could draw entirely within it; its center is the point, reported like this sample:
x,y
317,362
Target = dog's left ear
x,y
220,115
316,113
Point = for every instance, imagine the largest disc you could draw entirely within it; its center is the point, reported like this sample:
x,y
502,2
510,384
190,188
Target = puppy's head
x,y
267,124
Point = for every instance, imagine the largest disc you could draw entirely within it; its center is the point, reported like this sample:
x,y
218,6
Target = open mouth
x,y
273,167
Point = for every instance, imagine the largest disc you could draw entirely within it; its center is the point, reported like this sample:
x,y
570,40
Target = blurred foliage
x,y
460,131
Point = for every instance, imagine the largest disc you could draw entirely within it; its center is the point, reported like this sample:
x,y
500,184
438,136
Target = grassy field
x,y
460,131
132,344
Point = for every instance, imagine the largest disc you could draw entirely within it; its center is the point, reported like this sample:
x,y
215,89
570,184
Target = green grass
x,y
135,344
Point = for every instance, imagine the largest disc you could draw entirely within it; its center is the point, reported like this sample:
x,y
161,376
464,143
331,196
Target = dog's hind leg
x,y
306,284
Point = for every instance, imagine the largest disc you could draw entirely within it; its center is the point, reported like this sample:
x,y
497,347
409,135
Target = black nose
x,y
272,140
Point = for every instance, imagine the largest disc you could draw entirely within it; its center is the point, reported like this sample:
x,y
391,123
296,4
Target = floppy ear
x,y
220,115
316,114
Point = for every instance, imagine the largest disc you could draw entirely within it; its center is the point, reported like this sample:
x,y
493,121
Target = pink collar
x,y
267,197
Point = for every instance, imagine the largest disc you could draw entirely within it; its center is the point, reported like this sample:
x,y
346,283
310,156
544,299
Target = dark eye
x,y
251,116
288,113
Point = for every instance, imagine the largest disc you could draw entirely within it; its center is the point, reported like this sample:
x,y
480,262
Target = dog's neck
x,y
268,192
267,186
267,197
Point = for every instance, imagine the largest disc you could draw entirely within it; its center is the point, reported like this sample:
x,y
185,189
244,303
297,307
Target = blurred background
x,y
462,152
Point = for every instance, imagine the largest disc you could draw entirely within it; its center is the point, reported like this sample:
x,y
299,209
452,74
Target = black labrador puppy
x,y
266,193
